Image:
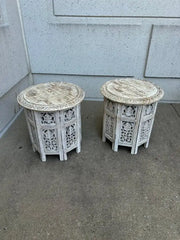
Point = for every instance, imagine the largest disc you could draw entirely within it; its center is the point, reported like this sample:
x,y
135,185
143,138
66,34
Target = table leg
x,y
43,157
65,156
115,147
78,149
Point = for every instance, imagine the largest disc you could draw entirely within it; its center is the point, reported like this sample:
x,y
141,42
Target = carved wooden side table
x,y
53,117
129,110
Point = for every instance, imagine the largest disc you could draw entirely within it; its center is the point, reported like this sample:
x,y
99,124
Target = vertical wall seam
x,y
148,50
25,42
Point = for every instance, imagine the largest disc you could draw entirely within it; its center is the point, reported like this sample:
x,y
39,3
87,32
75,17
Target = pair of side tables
x,y
53,115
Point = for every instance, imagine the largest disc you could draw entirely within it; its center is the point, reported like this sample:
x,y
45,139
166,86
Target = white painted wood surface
x,y
51,96
53,117
132,91
128,121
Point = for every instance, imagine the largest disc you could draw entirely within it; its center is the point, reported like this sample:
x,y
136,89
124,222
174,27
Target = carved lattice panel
x,y
129,111
110,106
47,118
70,133
30,114
149,109
145,130
34,135
126,134
54,121
69,114
49,137
109,125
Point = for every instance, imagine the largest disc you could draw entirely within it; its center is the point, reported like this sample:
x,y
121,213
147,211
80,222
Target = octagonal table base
x,y
55,133
128,125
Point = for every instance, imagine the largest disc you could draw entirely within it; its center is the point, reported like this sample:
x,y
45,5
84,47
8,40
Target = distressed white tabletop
x,y
51,96
132,91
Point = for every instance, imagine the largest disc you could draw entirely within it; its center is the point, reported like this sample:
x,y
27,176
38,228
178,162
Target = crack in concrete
x,y
175,110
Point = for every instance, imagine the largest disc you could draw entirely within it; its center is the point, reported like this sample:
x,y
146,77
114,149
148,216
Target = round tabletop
x,y
132,91
52,96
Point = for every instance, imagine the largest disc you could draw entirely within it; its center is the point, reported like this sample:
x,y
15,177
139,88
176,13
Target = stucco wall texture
x,y
90,42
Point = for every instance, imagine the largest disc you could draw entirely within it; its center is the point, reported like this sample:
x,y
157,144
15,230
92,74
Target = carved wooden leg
x,y
134,149
117,130
65,156
103,138
146,144
79,133
61,156
104,122
115,147
43,157
103,130
78,149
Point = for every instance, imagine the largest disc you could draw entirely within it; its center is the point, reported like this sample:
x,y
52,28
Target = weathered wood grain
x,y
51,96
132,91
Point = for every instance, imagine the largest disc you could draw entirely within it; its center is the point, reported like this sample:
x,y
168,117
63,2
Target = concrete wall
x,y
9,107
89,42
14,67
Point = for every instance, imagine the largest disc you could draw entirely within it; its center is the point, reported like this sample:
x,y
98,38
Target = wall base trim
x,y
10,123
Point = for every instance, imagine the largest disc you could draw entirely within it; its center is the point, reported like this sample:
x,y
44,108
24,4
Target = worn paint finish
x,y
55,133
51,96
129,111
128,125
132,91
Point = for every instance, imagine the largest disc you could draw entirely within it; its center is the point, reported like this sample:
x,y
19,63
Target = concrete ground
x,y
97,194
